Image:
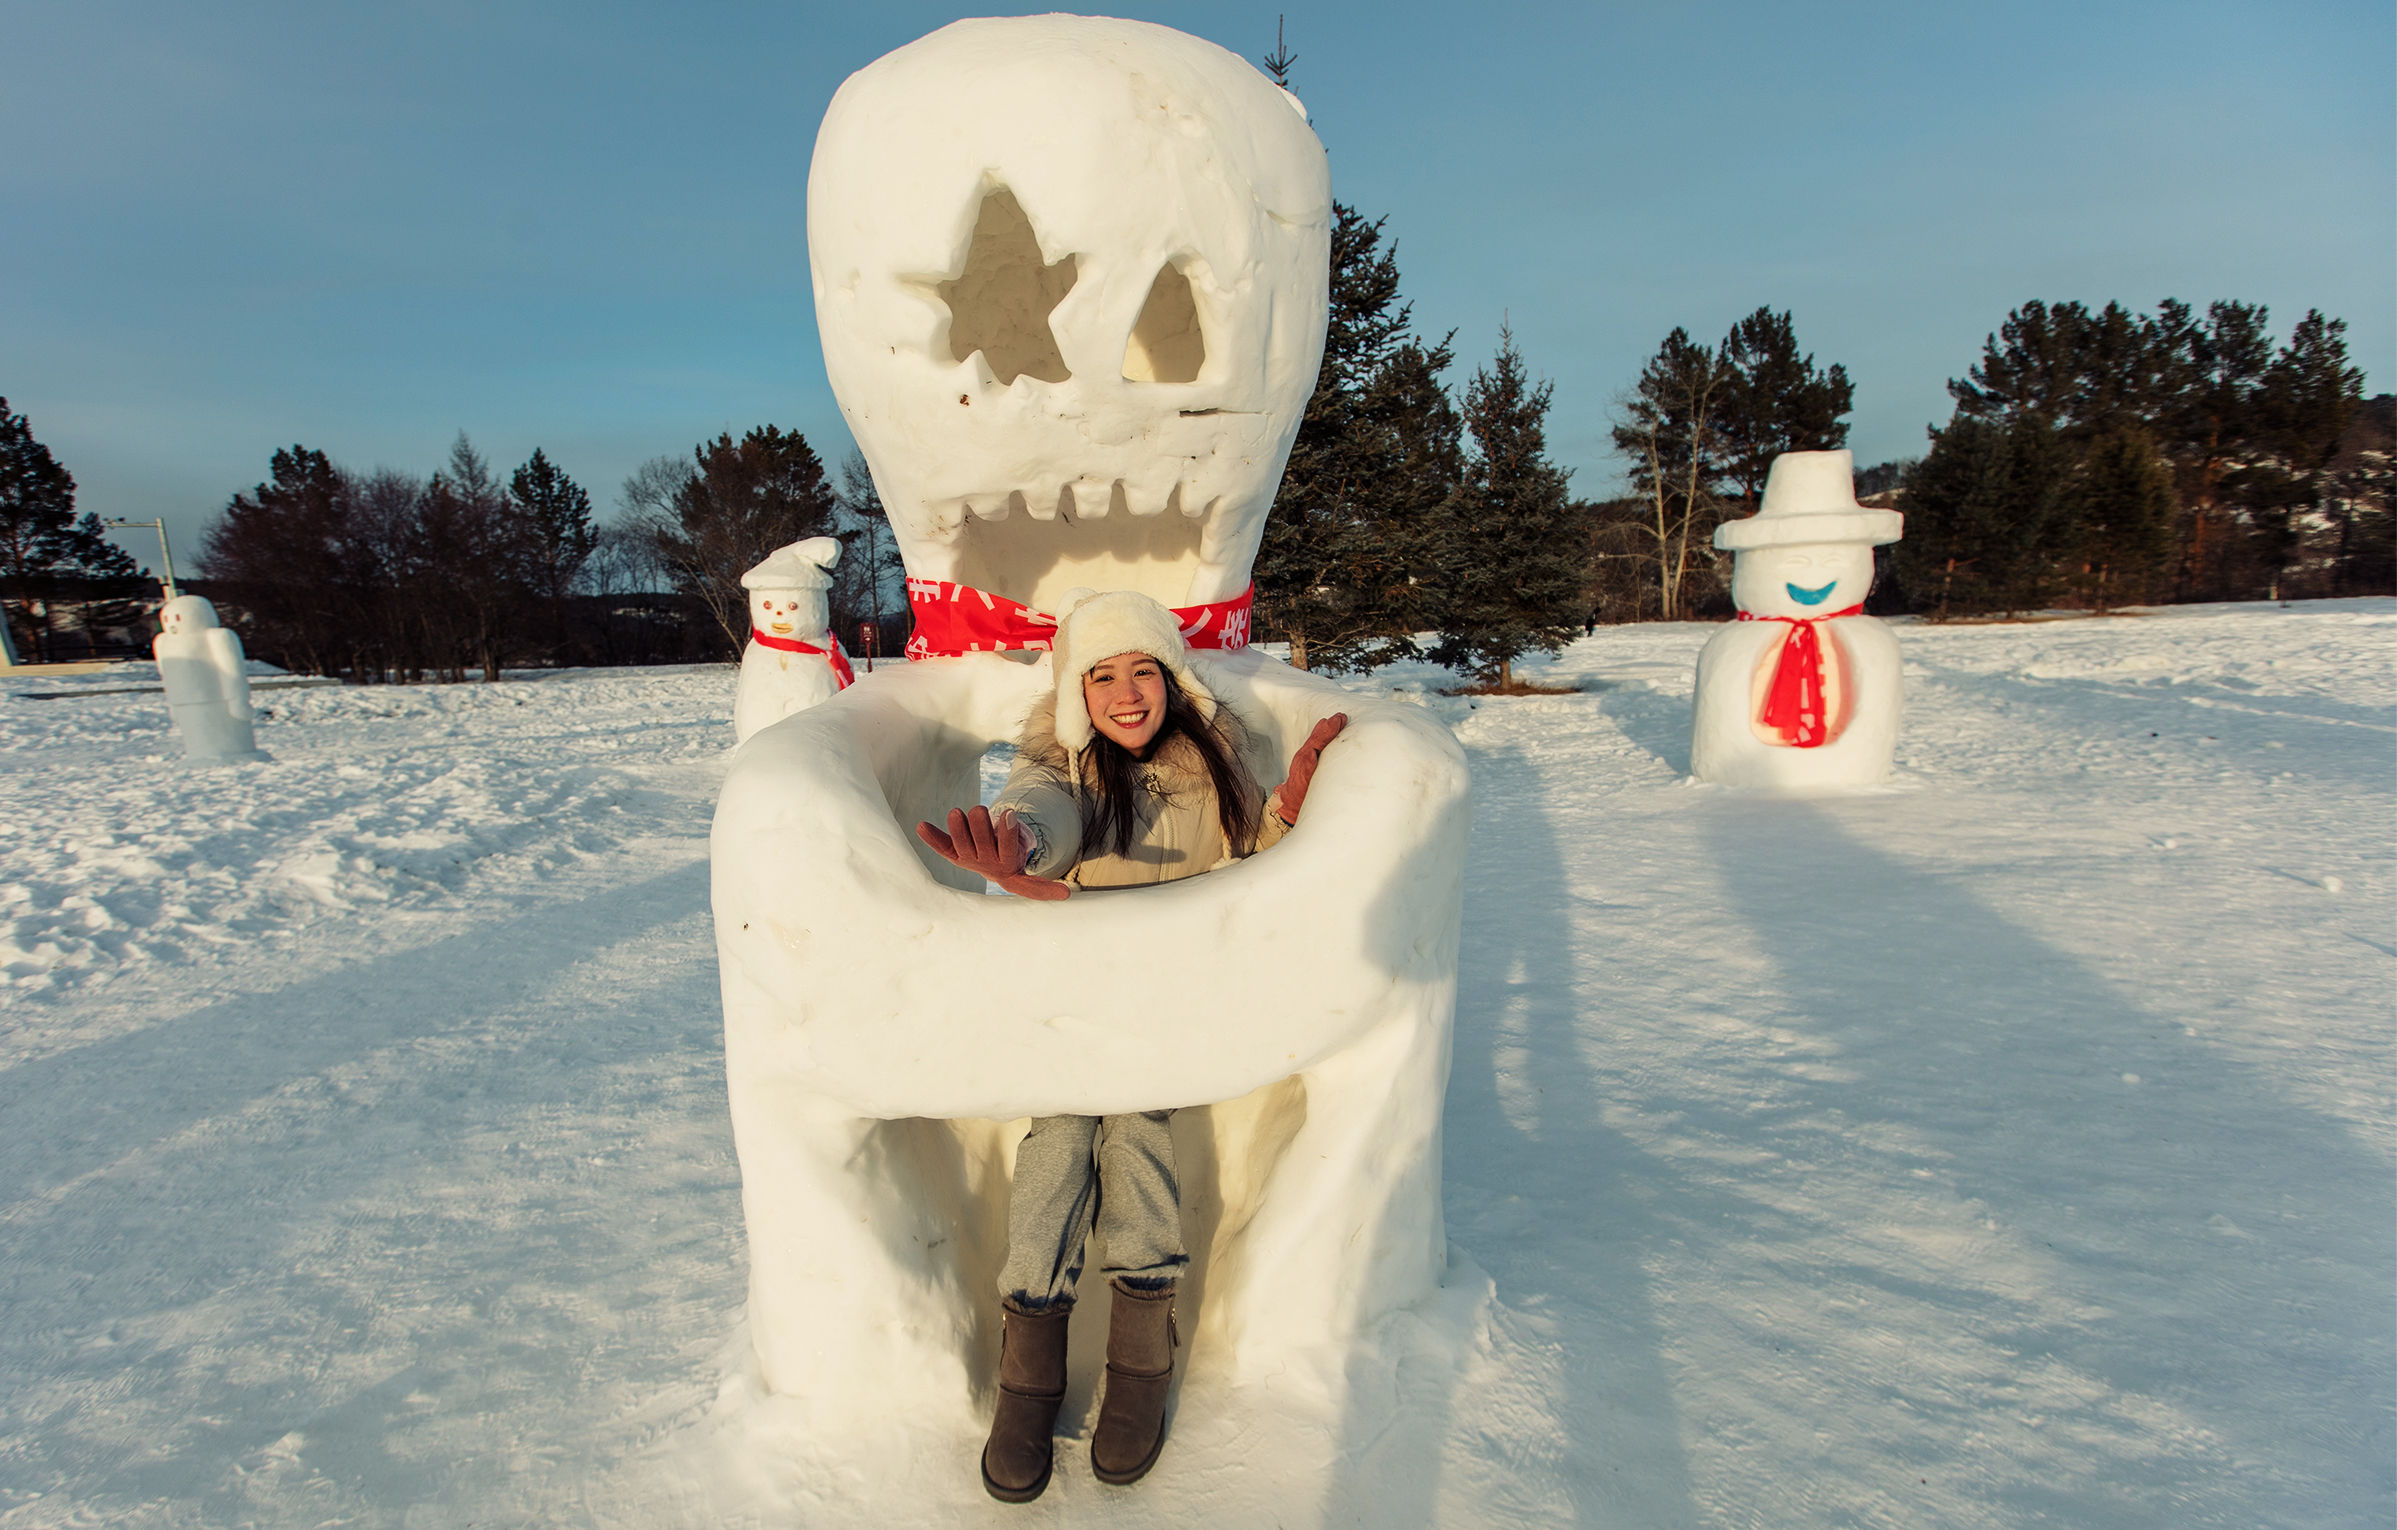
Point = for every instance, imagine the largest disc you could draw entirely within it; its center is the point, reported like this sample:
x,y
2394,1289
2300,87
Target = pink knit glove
x,y
996,850
1293,790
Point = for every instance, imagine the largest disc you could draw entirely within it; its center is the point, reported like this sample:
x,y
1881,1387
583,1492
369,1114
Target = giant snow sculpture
x,y
207,688
1803,691
792,660
1070,275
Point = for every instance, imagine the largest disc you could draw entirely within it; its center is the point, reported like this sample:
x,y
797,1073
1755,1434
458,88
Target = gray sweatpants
x,y
1072,1171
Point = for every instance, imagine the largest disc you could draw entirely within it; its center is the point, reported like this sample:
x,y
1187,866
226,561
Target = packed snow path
x,y
2009,1147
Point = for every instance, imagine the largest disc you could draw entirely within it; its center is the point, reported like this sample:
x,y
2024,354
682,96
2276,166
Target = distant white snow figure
x,y
1803,691
207,690
793,661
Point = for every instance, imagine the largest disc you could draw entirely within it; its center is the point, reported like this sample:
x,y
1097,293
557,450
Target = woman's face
x,y
1126,698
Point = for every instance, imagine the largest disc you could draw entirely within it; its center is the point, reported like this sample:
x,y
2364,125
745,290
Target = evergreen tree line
x,y
385,576
2112,458
1405,512
1411,523
52,560
2093,459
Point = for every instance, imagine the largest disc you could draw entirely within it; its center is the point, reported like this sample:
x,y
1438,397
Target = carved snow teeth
x,y
1090,498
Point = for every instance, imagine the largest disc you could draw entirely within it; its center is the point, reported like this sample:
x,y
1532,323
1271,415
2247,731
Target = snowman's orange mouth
x,y
780,629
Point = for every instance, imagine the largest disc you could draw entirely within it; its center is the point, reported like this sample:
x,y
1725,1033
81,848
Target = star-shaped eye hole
x,y
1000,303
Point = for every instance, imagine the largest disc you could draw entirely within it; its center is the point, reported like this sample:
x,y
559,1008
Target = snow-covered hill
x,y
2010,1146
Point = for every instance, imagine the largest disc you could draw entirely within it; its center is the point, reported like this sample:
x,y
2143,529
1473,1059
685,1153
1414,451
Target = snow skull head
x,y
186,614
1070,275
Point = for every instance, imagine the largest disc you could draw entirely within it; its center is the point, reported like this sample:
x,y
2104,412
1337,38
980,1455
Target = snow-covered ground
x,y
2011,1146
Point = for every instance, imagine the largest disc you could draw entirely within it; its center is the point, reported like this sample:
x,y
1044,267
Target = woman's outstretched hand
x,y
993,848
1293,790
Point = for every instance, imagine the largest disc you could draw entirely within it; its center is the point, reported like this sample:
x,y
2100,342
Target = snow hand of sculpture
x,y
1803,691
1070,276
207,687
792,660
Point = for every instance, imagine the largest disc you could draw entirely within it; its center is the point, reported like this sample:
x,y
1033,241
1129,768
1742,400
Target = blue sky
x,y
226,228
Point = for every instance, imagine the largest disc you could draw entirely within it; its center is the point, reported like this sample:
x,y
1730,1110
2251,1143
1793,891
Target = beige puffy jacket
x,y
1179,833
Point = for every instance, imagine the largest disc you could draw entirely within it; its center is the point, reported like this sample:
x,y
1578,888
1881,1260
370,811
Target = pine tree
x,y
1671,430
42,540
1378,454
555,534
289,553
1511,578
869,584
2360,503
744,500
2078,372
1775,401
1986,517
2209,419
2120,505
473,553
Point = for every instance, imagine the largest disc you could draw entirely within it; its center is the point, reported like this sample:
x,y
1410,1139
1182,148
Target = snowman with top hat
x,y
792,660
1801,692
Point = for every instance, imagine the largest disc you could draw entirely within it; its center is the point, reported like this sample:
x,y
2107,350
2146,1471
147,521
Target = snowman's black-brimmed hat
x,y
1810,497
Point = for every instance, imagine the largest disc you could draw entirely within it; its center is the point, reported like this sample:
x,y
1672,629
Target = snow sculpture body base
x,y
886,1030
207,687
1803,564
1729,749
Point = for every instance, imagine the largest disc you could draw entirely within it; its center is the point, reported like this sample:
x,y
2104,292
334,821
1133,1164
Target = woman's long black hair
x,y
1111,783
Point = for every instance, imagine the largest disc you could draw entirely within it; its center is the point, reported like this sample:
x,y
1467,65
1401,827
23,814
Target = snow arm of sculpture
x,y
837,791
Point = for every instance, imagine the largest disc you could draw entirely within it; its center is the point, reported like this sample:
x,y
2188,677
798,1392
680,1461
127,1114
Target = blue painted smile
x,y
1811,597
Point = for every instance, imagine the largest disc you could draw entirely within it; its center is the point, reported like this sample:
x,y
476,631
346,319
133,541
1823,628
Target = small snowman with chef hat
x,y
1802,692
792,661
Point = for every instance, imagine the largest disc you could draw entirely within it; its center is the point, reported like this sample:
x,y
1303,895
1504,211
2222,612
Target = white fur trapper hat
x,y
800,566
1096,627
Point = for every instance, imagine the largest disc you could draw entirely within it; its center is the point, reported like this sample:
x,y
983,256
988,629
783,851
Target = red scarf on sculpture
x,y
840,661
1793,703
952,619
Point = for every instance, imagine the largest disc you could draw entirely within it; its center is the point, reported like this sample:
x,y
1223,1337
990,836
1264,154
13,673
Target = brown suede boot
x,y
1141,1336
1022,1447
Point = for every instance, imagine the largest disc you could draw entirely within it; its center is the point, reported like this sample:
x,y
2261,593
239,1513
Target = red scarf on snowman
x,y
1793,703
840,661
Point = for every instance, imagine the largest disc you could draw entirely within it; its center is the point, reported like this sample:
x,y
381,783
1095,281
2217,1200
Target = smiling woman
x,y
1132,774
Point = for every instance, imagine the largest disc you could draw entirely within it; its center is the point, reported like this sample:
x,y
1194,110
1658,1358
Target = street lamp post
x,y
166,559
